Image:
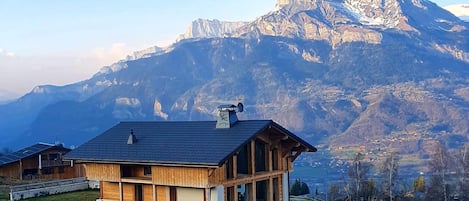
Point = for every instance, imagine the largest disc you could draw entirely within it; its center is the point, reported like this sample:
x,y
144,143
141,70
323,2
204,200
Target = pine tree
x,y
296,188
304,189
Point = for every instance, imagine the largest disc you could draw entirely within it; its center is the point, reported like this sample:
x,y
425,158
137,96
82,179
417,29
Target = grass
x,y
4,193
86,195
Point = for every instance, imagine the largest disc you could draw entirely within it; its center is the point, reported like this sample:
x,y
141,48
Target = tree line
x,y
447,179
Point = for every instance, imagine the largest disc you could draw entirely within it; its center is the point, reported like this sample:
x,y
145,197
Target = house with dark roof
x,y
227,159
39,161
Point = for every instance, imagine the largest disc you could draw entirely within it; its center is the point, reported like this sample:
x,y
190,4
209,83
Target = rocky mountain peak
x,y
205,28
342,21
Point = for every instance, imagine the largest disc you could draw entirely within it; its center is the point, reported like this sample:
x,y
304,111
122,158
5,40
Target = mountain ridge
x,y
341,82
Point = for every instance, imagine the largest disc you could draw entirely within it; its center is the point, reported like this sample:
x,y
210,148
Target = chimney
x,y
132,139
227,115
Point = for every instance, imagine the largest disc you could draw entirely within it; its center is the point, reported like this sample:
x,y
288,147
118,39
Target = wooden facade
x,y
257,171
47,164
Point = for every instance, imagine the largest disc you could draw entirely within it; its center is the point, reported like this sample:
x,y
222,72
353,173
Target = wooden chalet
x,y
39,161
218,160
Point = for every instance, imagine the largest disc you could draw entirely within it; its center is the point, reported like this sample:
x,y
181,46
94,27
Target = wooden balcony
x,y
55,163
137,180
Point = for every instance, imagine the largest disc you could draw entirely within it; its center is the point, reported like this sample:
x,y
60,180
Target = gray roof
x,y
174,142
27,152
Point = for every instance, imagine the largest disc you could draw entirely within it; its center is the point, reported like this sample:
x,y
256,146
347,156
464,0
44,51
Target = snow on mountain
x,y
460,10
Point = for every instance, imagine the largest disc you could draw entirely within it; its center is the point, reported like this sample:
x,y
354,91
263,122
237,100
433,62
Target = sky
x,y
60,42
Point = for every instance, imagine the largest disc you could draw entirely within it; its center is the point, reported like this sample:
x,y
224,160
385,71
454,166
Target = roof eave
x,y
156,163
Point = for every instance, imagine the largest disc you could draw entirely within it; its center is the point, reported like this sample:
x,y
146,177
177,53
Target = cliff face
x,y
203,28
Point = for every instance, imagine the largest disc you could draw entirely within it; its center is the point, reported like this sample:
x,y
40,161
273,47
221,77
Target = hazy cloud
x,y
4,53
460,10
107,56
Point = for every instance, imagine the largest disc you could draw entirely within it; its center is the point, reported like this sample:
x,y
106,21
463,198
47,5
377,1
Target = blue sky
x,y
61,41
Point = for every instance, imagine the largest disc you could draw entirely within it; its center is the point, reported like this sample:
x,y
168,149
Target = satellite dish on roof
x,y
240,107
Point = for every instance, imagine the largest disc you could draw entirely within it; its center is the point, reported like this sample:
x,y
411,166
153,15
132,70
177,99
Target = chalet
x,y
227,159
39,161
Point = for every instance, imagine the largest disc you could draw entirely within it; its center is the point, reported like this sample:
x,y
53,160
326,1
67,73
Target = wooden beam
x,y
253,157
269,160
121,192
296,155
154,192
288,148
264,137
235,192
210,172
101,191
21,170
253,189
235,167
258,177
270,190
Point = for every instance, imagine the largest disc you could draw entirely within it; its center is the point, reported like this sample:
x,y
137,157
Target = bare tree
x,y
389,170
358,173
439,165
462,162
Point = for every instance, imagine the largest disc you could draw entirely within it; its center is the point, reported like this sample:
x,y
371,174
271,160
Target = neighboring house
x,y
218,160
39,161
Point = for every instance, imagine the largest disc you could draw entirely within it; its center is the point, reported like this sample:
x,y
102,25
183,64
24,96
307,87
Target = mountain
x,y
204,28
460,10
349,75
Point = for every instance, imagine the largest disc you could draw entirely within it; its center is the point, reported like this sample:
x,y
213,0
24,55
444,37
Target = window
x,y
55,156
275,159
243,162
230,194
243,192
229,168
126,171
47,170
261,190
147,170
260,154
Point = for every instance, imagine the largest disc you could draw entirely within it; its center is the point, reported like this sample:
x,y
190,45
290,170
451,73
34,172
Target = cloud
x,y
107,56
4,53
458,9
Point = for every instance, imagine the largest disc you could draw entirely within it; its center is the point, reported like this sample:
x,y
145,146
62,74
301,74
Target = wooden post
x,y
235,166
154,192
121,195
21,170
235,191
253,157
270,190
40,161
269,160
207,194
101,191
253,189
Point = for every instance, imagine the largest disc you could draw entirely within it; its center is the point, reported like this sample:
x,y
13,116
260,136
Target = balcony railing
x,y
55,163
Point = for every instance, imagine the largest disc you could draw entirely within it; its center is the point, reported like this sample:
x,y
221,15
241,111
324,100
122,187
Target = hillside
x,y
350,75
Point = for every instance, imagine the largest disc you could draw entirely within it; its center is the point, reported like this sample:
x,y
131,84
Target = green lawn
x,y
4,194
86,195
